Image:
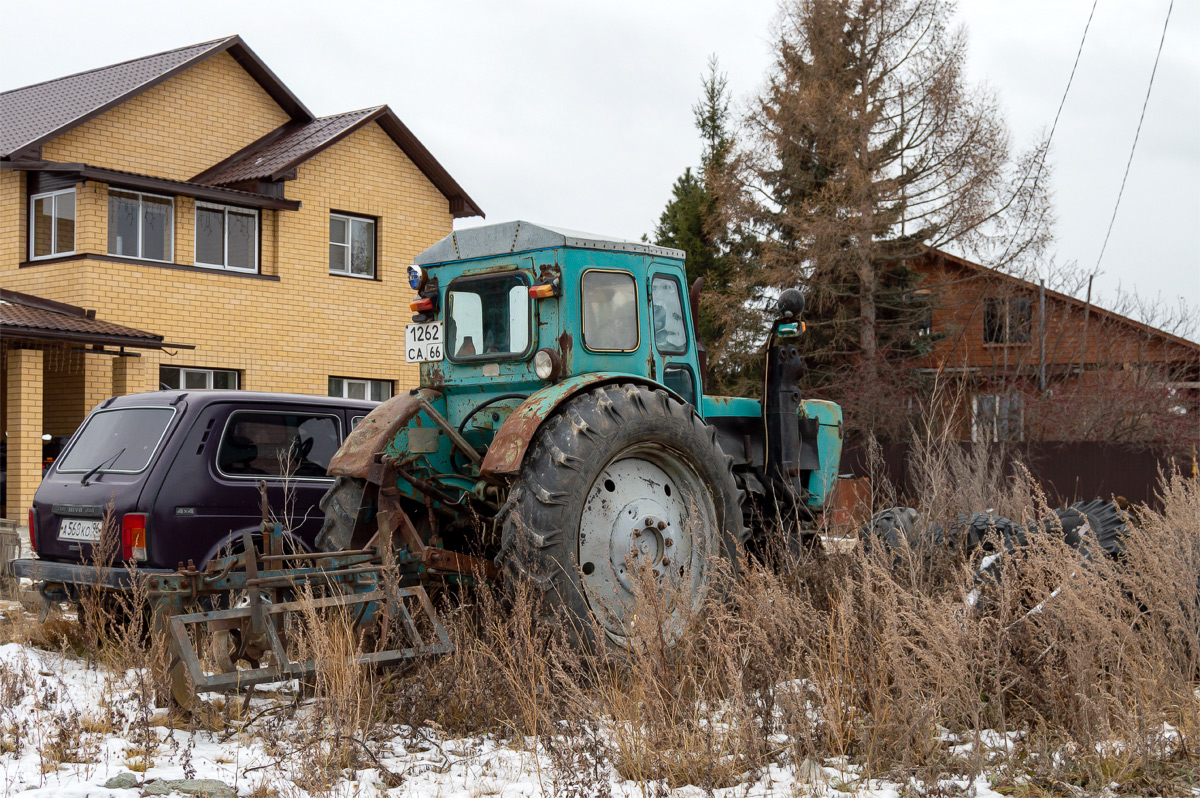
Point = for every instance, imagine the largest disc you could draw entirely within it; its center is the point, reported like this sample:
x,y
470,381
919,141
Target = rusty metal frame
x,y
282,667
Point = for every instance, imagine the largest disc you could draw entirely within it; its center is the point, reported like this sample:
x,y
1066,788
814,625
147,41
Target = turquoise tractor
x,y
561,432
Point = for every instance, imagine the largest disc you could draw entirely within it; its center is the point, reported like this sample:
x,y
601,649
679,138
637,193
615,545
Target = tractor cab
x,y
532,313
521,307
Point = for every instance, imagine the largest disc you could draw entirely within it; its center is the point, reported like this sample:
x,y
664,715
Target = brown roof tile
x,y
32,114
27,114
35,114
285,147
24,314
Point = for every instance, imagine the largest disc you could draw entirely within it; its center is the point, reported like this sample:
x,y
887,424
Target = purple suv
x,y
176,474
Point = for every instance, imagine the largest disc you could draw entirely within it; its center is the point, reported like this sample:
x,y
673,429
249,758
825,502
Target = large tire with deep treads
x,y
1107,524
342,504
623,486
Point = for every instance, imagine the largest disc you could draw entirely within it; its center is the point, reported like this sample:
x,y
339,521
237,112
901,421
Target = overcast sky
x,y
579,114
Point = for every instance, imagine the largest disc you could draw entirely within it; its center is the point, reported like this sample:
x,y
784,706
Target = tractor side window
x,y
681,380
610,312
488,317
666,308
278,445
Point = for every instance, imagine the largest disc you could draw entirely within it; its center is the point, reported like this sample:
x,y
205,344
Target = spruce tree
x,y
690,221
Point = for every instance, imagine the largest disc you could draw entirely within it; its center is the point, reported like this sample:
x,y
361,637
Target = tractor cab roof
x,y
508,238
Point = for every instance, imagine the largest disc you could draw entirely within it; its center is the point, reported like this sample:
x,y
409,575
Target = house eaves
x,y
133,180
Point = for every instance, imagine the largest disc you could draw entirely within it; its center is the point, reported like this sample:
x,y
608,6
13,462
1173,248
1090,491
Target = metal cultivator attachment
x,y
263,600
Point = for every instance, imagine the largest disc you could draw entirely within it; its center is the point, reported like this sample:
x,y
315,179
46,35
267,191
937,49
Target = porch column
x,y
135,374
24,410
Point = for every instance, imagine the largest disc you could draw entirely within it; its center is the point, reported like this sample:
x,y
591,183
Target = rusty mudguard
x,y
507,452
373,433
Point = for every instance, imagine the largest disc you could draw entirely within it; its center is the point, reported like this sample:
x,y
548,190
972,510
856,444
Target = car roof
x,y
203,398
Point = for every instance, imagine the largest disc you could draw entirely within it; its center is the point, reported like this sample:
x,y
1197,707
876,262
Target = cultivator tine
x,y
410,625
443,645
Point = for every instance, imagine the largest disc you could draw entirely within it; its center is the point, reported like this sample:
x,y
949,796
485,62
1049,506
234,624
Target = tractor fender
x,y
507,450
374,432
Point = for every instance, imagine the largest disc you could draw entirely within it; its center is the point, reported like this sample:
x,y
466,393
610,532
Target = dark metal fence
x,y
1067,471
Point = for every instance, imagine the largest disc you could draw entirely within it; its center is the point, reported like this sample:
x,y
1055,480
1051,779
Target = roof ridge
x,y
369,109
207,45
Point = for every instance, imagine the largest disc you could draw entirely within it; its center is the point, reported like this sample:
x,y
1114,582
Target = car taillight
x,y
133,537
33,530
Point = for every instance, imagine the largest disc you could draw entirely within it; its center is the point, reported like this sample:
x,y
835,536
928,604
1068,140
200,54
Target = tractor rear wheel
x,y
623,487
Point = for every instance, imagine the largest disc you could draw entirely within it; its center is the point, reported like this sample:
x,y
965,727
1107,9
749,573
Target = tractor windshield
x,y
487,318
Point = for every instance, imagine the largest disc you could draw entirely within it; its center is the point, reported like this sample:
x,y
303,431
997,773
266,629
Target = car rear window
x,y
278,444
121,440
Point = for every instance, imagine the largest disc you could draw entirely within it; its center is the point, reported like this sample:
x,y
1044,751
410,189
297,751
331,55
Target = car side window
x,y
355,421
666,309
275,444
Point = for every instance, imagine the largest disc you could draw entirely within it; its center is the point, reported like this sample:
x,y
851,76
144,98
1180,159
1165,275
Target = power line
x,y
1138,133
1054,126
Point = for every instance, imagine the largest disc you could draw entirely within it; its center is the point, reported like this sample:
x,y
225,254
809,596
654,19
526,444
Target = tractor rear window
x,y
610,313
487,318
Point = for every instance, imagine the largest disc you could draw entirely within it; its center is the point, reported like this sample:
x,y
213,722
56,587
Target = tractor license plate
x,y
423,342
79,529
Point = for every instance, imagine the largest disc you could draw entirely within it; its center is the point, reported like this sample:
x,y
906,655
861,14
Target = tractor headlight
x,y
545,364
416,277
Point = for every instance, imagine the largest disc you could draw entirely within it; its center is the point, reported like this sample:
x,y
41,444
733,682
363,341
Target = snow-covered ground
x,y
67,729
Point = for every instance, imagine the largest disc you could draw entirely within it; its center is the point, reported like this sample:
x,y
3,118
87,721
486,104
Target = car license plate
x,y
423,342
80,529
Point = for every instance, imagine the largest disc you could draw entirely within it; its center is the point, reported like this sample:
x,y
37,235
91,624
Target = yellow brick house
x,y
192,195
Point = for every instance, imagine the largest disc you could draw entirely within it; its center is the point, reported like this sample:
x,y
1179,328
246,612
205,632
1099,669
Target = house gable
x,y
366,173
178,127
1075,334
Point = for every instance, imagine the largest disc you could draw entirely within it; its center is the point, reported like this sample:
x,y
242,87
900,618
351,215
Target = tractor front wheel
x,y
623,489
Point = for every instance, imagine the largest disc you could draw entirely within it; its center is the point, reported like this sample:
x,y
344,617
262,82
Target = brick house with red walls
x,y
1025,362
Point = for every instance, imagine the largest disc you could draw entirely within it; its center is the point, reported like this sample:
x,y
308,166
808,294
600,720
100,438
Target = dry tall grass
x,y
1072,671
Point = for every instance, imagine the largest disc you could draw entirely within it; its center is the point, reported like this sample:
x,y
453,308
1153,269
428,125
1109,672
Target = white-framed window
x,y
141,225
998,418
226,237
351,245
52,224
185,378
353,388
